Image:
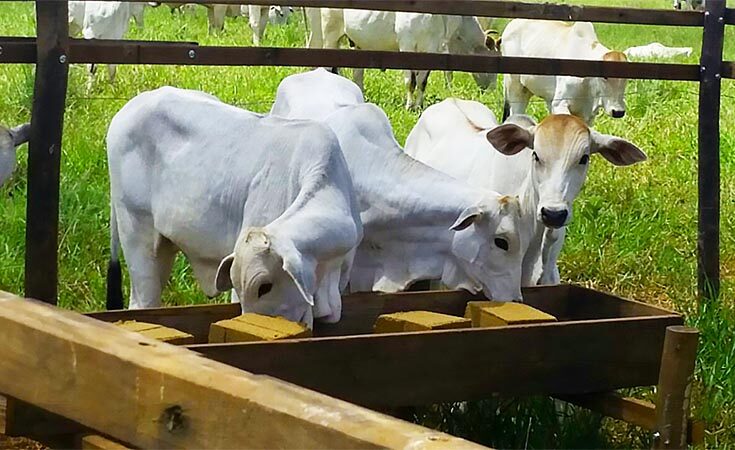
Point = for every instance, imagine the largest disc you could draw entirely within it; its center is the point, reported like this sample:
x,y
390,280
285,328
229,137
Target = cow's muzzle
x,y
554,218
618,113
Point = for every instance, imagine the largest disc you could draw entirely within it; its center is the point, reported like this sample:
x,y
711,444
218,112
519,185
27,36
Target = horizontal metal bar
x,y
181,53
499,8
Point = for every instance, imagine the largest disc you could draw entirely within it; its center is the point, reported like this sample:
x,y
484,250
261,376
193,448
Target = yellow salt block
x,y
496,314
256,327
418,321
156,331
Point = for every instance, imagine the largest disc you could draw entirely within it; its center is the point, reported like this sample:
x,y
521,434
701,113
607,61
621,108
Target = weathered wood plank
x,y
451,365
155,395
97,442
708,239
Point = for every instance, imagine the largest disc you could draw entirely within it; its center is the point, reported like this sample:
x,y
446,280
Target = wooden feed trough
x,y
600,343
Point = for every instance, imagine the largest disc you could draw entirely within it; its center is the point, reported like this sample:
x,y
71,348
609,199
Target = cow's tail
x,y
506,109
114,272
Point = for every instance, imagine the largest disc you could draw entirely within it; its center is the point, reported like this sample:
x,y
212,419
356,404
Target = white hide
x,y
190,173
582,97
260,15
103,20
457,136
10,139
402,31
409,210
689,5
656,50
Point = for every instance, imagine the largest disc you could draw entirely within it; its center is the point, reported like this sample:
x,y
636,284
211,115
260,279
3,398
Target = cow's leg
x,y
516,96
422,78
216,17
149,257
410,79
448,77
359,78
258,21
551,248
313,19
111,71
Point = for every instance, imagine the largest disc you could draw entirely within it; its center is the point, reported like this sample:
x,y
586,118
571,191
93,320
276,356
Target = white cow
x,y
406,32
547,168
103,20
420,224
263,205
689,5
582,97
10,140
259,16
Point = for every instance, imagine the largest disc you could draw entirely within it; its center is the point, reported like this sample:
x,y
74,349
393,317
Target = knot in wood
x,y
173,418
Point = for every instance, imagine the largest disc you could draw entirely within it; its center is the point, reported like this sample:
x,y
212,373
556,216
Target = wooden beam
x,y
97,442
155,395
708,241
418,368
674,387
44,151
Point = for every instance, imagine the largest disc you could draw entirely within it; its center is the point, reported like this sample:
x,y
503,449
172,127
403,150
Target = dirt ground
x,y
13,443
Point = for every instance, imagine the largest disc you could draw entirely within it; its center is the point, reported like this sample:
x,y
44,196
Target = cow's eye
x,y
264,289
535,157
501,243
585,159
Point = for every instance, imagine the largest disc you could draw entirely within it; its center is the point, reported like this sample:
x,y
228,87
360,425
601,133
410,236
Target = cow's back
x,y
314,95
548,39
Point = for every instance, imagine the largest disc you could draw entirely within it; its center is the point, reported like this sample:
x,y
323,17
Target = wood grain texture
x,y
154,395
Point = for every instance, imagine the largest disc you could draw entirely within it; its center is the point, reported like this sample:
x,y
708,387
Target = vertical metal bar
x,y
674,387
708,239
44,153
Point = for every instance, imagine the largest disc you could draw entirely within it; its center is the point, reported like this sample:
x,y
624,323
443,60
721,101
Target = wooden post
x,y
674,387
44,153
708,242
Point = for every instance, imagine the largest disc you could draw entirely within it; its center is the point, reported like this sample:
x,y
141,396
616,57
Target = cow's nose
x,y
554,218
618,113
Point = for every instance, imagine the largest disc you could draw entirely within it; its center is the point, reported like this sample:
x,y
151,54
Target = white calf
x,y
10,140
547,170
582,97
420,224
260,204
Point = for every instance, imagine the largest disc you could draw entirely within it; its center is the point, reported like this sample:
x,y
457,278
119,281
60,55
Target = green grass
x,y
634,233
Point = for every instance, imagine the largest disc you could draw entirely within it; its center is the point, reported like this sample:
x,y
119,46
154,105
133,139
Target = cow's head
x,y
270,276
561,146
611,91
488,247
278,15
10,139
470,39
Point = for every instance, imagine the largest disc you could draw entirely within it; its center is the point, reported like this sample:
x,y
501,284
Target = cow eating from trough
x,y
545,164
10,140
420,224
582,97
262,205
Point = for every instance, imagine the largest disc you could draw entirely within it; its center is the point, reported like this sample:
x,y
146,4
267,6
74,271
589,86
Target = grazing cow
x,y
103,20
10,140
259,16
689,5
582,97
543,164
406,32
420,224
261,205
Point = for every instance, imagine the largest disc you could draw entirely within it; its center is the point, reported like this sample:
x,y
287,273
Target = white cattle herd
x,y
290,210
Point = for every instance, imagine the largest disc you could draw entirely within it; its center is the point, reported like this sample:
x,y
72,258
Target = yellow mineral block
x,y
496,314
155,331
418,321
255,327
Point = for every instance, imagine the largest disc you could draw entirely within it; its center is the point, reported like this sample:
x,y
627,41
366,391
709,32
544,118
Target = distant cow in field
x,y
261,205
582,97
689,5
420,224
10,140
260,16
544,164
406,32
103,20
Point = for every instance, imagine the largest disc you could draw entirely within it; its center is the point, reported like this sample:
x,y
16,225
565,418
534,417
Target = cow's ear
x,y
616,150
300,267
510,139
21,134
223,280
466,218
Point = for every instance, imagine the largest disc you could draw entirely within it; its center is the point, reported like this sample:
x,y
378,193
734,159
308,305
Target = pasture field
x,y
634,230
